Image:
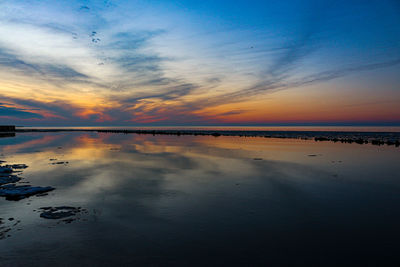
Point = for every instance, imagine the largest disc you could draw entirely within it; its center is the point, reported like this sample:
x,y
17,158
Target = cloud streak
x,y
18,113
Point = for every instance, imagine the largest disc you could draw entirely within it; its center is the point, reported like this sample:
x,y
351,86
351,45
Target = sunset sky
x,y
88,63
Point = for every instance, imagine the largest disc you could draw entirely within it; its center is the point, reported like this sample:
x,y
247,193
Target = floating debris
x,y
42,194
9,179
62,212
257,159
60,163
4,169
16,166
11,191
18,192
6,226
6,176
4,229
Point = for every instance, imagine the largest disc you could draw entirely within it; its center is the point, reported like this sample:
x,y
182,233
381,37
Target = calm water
x,y
200,200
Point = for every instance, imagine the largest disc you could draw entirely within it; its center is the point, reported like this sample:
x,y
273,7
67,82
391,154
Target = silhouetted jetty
x,y
7,128
5,134
7,131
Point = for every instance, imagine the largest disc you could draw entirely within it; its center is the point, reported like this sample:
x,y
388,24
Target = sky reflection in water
x,y
168,200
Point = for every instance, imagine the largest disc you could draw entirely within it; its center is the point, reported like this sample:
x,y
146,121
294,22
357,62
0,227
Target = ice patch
x,y
18,192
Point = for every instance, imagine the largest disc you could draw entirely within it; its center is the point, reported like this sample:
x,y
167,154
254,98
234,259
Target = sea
x,y
167,200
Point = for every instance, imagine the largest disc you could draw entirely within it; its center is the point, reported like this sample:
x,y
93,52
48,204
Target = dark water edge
x,y
374,138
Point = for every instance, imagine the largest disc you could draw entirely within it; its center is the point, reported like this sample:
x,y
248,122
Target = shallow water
x,y
201,200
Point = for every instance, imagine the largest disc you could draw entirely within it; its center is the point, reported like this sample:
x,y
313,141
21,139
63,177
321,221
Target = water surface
x,y
201,200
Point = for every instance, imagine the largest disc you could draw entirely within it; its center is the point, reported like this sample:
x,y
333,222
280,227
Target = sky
x,y
133,63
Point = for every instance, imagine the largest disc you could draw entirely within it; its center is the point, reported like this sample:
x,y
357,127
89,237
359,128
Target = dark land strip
x,y
374,138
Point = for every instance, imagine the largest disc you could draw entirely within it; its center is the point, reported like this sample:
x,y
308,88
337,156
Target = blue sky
x,y
199,62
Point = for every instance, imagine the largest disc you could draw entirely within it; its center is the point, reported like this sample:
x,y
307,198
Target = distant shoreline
x,y
374,138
